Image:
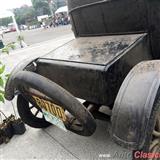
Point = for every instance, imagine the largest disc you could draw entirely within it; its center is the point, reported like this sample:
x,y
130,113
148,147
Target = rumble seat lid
x,y
95,50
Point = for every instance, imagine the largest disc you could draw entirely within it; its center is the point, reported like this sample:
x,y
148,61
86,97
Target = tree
x,y
41,7
24,14
60,3
5,21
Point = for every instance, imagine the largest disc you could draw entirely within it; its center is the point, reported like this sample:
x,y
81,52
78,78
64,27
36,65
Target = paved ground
x,y
52,143
38,35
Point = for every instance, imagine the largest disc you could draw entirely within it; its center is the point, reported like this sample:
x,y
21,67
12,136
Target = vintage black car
x,y
112,62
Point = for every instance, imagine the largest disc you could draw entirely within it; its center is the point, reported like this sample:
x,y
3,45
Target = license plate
x,y
52,112
54,120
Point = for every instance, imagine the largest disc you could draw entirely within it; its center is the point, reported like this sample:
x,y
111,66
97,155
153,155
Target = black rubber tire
x,y
27,116
25,80
153,116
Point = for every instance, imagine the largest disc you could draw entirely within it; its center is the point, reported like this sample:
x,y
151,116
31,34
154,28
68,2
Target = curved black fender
x,y
29,84
28,65
134,105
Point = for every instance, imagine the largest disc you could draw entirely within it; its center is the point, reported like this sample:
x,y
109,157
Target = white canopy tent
x,y
62,9
40,18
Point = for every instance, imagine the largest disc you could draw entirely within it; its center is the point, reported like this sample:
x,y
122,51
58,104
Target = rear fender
x,y
131,115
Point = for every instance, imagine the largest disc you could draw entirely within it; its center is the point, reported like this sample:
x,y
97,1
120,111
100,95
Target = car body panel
x,y
95,50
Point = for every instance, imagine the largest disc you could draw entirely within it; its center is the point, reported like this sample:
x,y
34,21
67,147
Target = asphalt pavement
x,y
35,36
52,143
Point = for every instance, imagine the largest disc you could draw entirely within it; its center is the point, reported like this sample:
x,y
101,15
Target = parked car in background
x,y
11,27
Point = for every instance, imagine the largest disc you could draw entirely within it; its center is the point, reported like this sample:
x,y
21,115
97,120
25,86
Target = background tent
x,y
62,9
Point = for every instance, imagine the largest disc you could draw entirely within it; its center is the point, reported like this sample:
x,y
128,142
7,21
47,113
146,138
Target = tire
x,y
83,124
151,144
27,116
136,111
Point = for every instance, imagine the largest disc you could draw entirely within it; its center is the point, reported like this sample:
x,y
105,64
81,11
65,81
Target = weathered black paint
x,y
98,17
94,50
27,82
136,106
95,80
113,36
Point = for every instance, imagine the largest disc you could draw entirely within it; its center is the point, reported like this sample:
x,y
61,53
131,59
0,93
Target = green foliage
x,y
2,82
5,21
60,3
11,45
5,50
6,78
25,14
3,76
41,7
1,92
8,47
2,98
2,68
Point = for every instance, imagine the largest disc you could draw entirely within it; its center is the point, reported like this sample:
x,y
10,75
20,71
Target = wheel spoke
x,y
156,134
30,111
35,107
153,144
43,116
37,112
31,107
155,150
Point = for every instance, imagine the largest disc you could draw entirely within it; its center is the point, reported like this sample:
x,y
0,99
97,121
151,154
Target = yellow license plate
x,y
50,107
